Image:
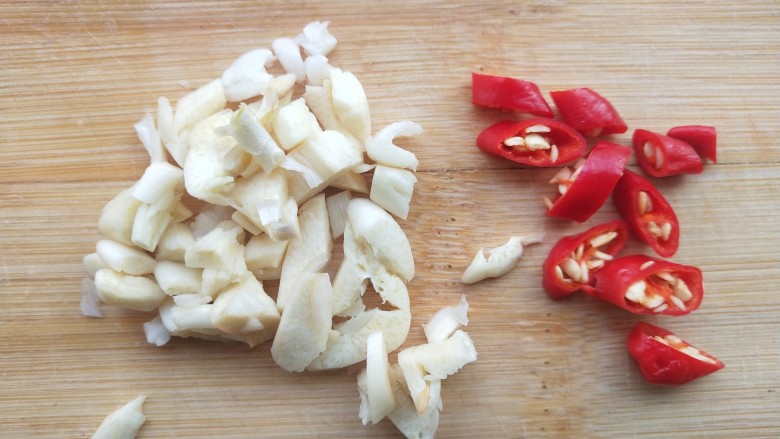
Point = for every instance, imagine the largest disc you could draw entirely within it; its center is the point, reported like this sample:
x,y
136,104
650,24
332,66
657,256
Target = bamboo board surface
x,y
75,76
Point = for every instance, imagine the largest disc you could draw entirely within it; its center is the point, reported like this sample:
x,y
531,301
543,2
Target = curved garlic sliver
x,y
255,139
499,262
446,321
289,55
121,257
381,149
244,307
124,422
378,390
126,291
197,106
305,323
205,173
150,138
405,416
392,189
317,69
117,217
316,39
350,103
246,77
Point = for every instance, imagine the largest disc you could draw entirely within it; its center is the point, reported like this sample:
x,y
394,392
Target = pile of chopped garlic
x,y
262,171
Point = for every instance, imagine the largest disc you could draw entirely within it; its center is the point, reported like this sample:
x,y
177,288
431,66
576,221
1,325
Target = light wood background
x,y
75,76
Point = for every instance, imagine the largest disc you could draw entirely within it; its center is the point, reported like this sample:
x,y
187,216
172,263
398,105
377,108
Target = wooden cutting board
x,y
75,76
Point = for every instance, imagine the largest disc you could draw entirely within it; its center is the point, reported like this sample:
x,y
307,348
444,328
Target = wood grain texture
x,y
75,76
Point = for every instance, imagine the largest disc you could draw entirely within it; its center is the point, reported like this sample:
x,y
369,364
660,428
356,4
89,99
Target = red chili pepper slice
x,y
538,141
588,112
574,258
647,212
584,189
645,285
508,94
663,156
702,138
664,358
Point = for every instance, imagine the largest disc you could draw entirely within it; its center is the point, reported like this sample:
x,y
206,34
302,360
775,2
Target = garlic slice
x,y
198,105
382,150
499,262
206,174
156,333
316,39
317,69
174,242
117,217
124,422
305,323
247,77
126,291
289,55
255,139
176,278
218,249
90,300
150,138
244,307
337,211
351,181
294,123
376,392
350,103
149,225
392,189
124,258
168,136
261,197
92,263
405,416
320,101
264,256
446,321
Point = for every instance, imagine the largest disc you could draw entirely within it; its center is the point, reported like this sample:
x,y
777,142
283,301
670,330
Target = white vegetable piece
x,y
264,256
446,321
247,77
150,138
192,321
92,263
149,225
90,301
156,333
295,123
378,390
316,39
205,171
198,105
117,217
174,242
392,189
170,139
305,324
349,284
337,211
317,69
160,179
350,103
219,249
289,55
310,251
499,262
123,258
126,291
287,227
261,197
176,278
255,139
246,223
180,212
405,417
208,219
320,101
351,181
215,279
382,150
244,307
319,160
123,423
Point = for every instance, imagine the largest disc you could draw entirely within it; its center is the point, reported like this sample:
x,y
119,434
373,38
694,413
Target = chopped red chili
x,y
508,94
663,156
702,138
536,141
588,112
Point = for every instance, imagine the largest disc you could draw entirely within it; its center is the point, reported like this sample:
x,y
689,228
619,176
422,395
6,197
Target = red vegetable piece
x,y
537,141
664,358
702,138
645,285
585,189
588,112
663,156
648,214
508,94
571,262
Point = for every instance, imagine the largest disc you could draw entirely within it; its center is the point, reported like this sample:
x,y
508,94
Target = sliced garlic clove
x,y
350,103
337,211
92,263
255,140
126,291
379,391
176,278
294,123
317,69
247,76
218,249
316,39
382,150
263,253
124,258
446,321
158,181
124,422
405,416
150,138
244,307
391,188
205,175
174,242
499,262
199,105
351,181
289,55
149,225
117,217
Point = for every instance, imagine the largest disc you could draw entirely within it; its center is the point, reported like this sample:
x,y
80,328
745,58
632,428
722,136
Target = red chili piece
x,y
571,262
701,138
537,141
649,216
664,358
663,156
645,285
584,189
508,94
588,112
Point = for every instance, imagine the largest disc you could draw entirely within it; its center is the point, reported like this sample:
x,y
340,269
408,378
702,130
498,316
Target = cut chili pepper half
x,y
537,141
588,112
585,188
649,216
702,138
645,285
508,94
663,156
571,262
664,358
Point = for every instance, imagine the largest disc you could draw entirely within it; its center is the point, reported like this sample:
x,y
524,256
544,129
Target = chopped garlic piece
x,y
170,139
156,333
289,55
350,103
198,106
246,223
263,255
208,219
206,176
126,291
499,262
176,278
405,416
174,242
305,323
317,69
310,251
294,123
378,388
247,77
180,212
261,197
117,217
90,300
218,249
382,150
337,211
149,225
123,258
392,189
446,321
351,181
255,139
244,307
316,39
349,284
159,180
150,138
287,227
92,263
123,423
